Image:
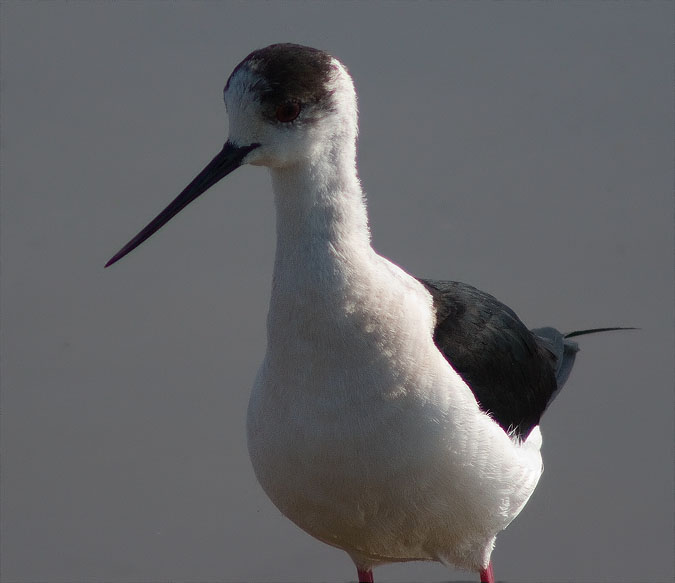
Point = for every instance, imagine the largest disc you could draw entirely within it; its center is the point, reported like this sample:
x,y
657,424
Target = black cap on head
x,y
291,72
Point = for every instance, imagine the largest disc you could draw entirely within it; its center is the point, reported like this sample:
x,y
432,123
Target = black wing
x,y
514,373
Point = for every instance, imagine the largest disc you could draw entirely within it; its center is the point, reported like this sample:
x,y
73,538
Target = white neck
x,y
323,243
321,216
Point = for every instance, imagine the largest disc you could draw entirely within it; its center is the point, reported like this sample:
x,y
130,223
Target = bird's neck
x,y
323,258
321,217
338,311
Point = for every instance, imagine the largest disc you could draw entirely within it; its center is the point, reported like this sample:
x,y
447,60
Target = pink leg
x,y
366,576
487,575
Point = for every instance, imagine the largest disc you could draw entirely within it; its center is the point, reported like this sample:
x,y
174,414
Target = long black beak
x,y
227,160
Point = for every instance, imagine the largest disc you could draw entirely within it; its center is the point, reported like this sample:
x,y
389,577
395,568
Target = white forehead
x,y
241,87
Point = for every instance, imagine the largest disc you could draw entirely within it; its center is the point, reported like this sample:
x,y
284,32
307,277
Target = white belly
x,y
365,437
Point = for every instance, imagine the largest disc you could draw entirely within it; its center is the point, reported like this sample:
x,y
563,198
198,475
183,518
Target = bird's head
x,y
287,104
292,101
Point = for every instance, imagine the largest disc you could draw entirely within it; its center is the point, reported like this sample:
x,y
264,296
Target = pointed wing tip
x,y
595,330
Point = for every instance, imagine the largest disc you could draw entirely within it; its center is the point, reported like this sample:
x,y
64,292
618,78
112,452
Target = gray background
x,y
525,148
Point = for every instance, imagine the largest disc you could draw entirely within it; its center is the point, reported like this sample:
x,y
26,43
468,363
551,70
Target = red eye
x,y
288,111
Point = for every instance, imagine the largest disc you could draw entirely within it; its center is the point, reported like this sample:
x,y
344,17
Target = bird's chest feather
x,y
343,399
338,365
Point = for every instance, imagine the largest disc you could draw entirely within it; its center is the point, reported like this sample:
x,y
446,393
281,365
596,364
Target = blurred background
x,y
525,148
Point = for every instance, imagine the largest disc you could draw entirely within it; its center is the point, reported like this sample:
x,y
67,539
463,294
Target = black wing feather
x,y
511,370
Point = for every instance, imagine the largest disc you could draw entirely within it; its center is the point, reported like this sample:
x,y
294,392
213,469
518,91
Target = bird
x,y
393,417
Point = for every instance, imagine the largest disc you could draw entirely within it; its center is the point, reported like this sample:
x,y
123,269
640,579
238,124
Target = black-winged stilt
x,y
395,418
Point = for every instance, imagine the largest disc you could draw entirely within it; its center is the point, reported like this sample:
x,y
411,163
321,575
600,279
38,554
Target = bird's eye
x,y
288,111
